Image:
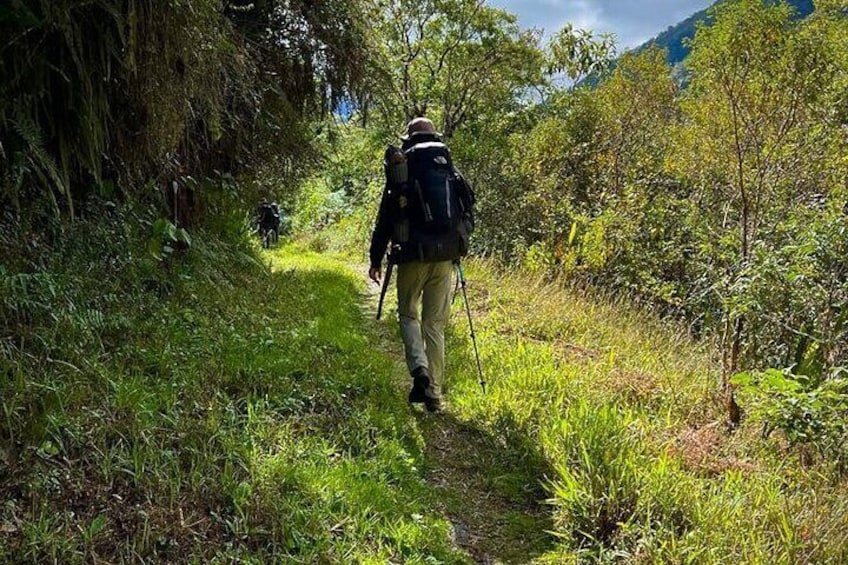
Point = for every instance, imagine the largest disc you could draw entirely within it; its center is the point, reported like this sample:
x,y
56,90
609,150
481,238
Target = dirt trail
x,y
488,487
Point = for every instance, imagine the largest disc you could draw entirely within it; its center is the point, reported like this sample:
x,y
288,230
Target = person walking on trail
x,y
426,213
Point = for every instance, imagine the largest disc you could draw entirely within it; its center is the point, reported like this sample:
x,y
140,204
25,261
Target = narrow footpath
x,y
496,507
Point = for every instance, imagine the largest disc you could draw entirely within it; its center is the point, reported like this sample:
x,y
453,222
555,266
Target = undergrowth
x,y
209,408
625,409
223,405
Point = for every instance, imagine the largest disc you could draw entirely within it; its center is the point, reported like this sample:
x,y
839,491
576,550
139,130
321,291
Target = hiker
x,y
426,212
268,216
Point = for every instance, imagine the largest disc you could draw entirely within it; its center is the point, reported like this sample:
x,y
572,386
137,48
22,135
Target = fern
x,y
38,157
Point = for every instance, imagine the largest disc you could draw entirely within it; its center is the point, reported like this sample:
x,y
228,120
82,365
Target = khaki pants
x,y
425,287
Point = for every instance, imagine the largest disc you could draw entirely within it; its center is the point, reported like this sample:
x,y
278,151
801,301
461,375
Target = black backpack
x,y
435,206
268,214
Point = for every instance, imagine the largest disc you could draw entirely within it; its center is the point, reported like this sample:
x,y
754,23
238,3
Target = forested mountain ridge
x,y
675,39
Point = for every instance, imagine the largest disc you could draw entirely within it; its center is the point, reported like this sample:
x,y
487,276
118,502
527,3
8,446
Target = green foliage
x,y
759,145
720,203
124,92
339,203
166,237
806,411
579,54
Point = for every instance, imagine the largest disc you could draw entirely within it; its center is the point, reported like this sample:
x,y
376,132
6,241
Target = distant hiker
x,y
427,214
268,223
268,216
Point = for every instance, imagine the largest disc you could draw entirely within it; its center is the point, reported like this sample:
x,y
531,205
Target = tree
x,y
753,141
452,60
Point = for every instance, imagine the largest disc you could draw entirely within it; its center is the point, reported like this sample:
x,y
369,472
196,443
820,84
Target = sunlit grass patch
x,y
240,414
624,407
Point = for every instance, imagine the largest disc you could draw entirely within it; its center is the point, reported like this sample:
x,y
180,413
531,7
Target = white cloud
x,y
587,15
632,21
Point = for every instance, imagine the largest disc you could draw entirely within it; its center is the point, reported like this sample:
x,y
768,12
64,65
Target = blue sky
x,y
633,21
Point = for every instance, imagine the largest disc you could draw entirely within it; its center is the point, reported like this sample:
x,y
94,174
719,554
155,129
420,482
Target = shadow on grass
x,y
487,482
489,486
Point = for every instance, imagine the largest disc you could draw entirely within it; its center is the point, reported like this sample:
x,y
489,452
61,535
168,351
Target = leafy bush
x,y
809,411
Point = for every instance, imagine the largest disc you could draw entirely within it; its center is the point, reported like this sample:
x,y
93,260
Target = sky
x,y
632,21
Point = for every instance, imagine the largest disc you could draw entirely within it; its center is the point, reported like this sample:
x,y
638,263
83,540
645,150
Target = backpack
x,y
434,207
268,214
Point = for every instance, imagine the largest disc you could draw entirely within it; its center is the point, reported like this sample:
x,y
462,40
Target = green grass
x,y
623,408
235,405
208,411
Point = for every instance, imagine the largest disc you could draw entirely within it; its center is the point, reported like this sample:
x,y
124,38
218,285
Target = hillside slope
x,y
211,409
215,409
624,409
675,38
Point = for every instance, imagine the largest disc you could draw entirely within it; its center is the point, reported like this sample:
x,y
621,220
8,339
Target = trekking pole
x,y
389,268
462,284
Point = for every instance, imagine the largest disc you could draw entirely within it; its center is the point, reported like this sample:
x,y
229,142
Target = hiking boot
x,y
420,385
432,402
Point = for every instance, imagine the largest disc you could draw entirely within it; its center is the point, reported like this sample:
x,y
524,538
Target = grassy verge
x,y
216,407
622,408
208,410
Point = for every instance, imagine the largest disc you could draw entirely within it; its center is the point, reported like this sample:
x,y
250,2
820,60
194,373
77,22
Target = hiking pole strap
x,y
389,268
462,285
